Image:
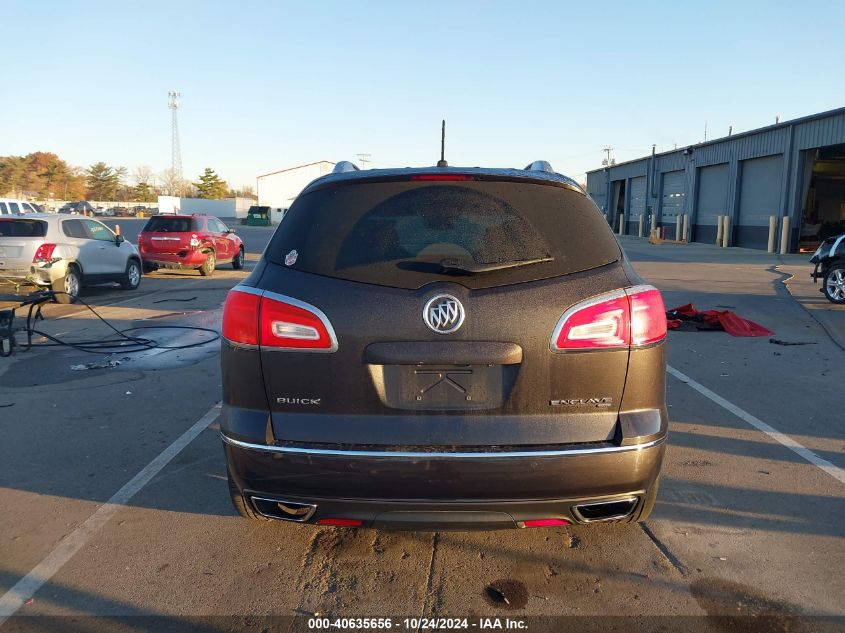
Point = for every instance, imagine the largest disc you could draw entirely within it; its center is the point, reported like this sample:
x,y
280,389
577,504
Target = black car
x,y
443,348
829,260
78,208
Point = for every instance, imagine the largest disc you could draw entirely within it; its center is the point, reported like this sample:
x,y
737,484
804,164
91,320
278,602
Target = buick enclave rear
x,y
444,348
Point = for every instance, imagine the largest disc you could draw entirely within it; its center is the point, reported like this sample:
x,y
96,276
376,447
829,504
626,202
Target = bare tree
x,y
172,185
144,175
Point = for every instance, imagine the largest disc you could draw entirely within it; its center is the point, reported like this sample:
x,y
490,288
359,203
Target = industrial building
x,y
793,169
278,189
228,208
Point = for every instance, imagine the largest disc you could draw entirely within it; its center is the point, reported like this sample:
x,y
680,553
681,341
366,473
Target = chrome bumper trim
x,y
421,455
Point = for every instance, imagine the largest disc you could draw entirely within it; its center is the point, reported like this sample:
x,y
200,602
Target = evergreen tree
x,y
102,181
210,186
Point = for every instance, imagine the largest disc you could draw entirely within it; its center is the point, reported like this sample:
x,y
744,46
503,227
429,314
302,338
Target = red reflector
x,y
240,317
545,522
444,177
44,253
341,522
287,323
648,316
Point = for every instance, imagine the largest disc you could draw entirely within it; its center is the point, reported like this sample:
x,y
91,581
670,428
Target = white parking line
x,y
26,587
800,449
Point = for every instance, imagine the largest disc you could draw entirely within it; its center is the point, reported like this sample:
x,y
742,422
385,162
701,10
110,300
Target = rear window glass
x,y
23,228
160,224
476,233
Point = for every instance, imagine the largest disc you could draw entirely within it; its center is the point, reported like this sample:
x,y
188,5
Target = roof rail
x,y
344,166
540,165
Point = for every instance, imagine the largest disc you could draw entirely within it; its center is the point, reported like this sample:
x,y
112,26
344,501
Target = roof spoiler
x,y
540,165
344,166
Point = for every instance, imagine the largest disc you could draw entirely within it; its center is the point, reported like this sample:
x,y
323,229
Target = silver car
x,y
64,253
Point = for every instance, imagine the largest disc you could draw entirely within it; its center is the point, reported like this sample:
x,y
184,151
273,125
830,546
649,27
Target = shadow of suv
x,y
444,348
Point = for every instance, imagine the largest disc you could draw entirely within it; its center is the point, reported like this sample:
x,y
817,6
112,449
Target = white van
x,y
11,206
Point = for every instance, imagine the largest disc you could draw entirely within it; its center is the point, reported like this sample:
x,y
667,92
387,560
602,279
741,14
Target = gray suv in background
x,y
444,348
65,253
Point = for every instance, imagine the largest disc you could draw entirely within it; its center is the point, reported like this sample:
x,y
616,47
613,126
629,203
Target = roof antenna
x,y
442,162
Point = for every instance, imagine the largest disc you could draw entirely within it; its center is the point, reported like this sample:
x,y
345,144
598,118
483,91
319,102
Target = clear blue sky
x,y
267,85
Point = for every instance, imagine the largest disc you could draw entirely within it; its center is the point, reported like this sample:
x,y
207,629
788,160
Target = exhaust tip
x,y
613,510
283,510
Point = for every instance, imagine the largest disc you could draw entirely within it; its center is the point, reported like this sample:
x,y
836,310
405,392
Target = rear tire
x,y
207,268
648,501
241,506
149,268
67,288
238,262
132,276
834,283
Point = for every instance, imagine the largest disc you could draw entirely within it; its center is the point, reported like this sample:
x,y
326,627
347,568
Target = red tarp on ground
x,y
726,320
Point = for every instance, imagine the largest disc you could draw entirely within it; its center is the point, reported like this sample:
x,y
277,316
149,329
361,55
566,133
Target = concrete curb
x,y
819,316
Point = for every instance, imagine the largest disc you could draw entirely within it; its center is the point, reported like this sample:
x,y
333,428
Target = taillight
x,y
648,315
44,254
598,323
240,317
256,318
288,323
621,318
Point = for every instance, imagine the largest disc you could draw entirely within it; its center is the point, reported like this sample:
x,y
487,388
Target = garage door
x,y
636,204
712,201
674,199
759,197
596,190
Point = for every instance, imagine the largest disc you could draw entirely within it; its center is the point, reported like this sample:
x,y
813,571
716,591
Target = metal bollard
x,y
678,222
642,225
720,227
726,231
621,225
784,236
773,232
685,228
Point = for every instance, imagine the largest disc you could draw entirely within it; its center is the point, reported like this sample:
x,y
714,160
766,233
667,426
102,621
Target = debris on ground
x,y
165,300
103,364
687,317
778,341
506,594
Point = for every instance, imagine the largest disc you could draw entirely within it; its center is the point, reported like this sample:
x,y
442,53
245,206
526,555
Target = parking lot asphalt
x,y
112,481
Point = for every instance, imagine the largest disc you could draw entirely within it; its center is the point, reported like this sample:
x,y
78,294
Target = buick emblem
x,y
444,314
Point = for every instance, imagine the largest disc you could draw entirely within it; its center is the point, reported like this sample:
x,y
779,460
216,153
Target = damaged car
x,y
65,253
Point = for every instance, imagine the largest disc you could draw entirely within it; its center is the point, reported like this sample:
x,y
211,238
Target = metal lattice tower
x,y
175,150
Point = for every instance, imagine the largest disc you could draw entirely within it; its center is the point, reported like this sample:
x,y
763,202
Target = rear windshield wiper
x,y
456,266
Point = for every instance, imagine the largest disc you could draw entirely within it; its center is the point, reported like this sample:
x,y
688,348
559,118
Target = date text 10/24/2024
x,y
415,624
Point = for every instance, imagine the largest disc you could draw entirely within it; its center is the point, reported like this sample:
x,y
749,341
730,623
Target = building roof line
x,y
722,139
273,173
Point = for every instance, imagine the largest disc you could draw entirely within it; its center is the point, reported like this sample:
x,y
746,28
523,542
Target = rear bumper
x,y
190,260
446,490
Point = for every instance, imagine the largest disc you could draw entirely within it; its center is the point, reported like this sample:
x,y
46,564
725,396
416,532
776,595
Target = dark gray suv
x,y
444,348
